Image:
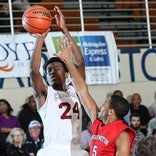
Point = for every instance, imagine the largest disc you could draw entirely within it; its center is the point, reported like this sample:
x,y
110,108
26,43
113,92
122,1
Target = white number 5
x,y
94,151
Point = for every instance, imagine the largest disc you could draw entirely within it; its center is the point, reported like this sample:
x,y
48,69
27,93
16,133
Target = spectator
x,y
16,143
151,126
86,136
34,141
135,125
146,146
4,17
126,117
29,113
137,107
7,122
152,108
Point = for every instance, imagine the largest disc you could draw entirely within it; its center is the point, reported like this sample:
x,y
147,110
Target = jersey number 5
x,y
94,151
66,114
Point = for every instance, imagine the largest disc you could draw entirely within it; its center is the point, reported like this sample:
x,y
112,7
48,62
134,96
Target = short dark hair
x,y
135,114
120,106
55,59
117,92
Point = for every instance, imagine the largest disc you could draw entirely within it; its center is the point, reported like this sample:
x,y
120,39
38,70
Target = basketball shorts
x,y
61,150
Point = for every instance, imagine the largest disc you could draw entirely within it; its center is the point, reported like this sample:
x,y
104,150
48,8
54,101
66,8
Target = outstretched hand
x,y
60,20
65,49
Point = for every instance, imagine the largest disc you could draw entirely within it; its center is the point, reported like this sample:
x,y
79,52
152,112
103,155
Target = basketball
x,y
36,19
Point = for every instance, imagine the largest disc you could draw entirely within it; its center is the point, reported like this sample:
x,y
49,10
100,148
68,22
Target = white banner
x,y
98,48
15,54
99,51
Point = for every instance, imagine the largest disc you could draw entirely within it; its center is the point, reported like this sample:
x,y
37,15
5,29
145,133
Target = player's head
x,y
56,72
55,59
116,106
120,106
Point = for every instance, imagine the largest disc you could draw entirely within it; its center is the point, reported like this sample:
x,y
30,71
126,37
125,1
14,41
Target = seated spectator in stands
x,y
151,126
28,113
34,141
86,136
152,108
135,122
147,146
127,117
4,17
137,107
135,125
7,122
15,143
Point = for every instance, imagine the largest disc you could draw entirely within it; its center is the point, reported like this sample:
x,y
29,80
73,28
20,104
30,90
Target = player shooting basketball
x,y
58,104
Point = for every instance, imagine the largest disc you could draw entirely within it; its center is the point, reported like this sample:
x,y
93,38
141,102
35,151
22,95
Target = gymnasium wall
x,y
137,74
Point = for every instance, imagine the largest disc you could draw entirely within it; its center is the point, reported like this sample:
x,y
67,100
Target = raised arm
x,y
60,21
78,81
39,87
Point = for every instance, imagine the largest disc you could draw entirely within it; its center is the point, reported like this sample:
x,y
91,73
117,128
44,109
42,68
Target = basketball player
x,y
110,135
58,104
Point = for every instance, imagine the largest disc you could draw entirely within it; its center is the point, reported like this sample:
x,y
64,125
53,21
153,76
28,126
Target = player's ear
x,y
111,111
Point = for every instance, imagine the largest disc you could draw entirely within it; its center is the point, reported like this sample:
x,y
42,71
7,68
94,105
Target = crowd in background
x,y
22,135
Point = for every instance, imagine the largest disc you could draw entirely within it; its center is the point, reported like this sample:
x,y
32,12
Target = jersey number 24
x,y
74,109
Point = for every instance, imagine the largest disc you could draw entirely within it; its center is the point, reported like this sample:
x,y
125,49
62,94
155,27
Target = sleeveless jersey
x,y
104,137
61,116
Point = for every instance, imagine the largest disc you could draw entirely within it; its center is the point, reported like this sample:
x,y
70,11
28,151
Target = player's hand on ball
x,y
41,36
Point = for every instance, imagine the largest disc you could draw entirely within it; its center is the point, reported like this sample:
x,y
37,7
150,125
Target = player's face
x,y
56,74
104,111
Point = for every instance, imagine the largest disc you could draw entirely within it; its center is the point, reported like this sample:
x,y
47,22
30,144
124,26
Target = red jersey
x,y
104,137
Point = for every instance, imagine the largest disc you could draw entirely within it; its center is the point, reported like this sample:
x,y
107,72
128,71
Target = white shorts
x,y
61,150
